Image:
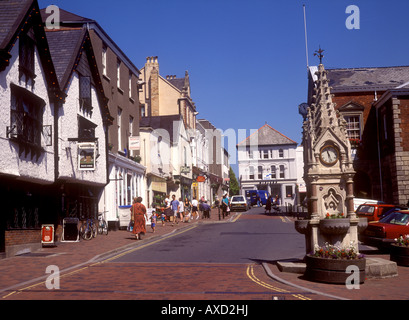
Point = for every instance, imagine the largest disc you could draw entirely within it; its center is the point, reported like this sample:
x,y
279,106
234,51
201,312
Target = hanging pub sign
x,y
86,156
201,179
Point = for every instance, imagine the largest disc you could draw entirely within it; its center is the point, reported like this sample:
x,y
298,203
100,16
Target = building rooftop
x,y
64,47
12,13
267,136
366,79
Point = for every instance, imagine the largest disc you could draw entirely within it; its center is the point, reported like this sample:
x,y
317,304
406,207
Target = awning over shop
x,y
158,184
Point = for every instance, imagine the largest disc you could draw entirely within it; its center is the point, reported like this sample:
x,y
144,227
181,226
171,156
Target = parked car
x,y
359,201
384,231
374,211
238,203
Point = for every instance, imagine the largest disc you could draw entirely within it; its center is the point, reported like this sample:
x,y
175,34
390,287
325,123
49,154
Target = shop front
x,y
156,192
126,181
26,205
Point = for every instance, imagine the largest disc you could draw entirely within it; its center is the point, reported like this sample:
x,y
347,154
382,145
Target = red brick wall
x,y
16,237
362,98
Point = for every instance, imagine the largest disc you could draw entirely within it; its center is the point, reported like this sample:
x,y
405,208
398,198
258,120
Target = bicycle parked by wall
x,y
102,224
88,229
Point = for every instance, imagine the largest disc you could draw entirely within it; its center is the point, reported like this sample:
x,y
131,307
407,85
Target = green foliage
x,y
234,185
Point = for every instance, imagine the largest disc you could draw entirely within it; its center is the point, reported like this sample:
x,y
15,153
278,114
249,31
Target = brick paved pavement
x,y
31,267
255,283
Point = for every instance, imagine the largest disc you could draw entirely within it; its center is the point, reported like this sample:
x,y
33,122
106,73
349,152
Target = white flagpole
x,y
305,31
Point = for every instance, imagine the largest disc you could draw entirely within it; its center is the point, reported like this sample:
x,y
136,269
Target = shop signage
x,y
134,143
201,179
47,234
86,156
184,169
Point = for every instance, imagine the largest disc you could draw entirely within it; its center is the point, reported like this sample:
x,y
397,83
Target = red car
x,y
373,211
386,230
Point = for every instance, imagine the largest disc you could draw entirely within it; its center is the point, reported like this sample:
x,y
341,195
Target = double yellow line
x,y
251,275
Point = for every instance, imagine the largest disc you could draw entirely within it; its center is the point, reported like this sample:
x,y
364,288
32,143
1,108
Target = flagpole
x,y
305,32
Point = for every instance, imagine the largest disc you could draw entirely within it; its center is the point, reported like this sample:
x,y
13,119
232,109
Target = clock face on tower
x,y
329,155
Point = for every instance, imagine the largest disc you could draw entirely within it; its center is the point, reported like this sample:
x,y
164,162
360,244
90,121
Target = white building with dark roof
x,y
267,160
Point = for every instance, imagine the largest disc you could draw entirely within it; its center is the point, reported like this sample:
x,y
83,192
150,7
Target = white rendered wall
x,y
68,128
23,167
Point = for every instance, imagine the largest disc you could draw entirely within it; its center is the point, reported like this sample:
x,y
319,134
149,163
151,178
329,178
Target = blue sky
x,y
246,58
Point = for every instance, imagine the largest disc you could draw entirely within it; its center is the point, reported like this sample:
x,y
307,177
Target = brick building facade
x,y
373,101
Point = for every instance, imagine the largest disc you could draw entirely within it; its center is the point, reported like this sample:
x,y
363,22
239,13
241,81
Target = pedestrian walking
x,y
181,209
225,205
258,200
201,201
268,205
217,205
138,215
206,210
163,217
153,221
194,208
187,206
168,209
277,200
175,209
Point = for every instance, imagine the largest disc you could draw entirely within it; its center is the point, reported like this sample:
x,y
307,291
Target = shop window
x,y
24,217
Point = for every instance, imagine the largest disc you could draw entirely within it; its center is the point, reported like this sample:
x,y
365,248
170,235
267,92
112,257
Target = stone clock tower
x,y
328,171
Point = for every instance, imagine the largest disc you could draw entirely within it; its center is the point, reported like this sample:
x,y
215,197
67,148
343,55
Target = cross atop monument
x,y
319,54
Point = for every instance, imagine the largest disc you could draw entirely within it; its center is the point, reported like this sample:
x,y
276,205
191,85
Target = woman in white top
x,y
194,208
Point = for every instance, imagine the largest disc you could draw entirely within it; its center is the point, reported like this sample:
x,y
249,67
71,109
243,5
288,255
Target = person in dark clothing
x,y
268,205
206,210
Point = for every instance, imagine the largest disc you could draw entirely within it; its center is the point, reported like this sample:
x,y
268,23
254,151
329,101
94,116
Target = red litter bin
x,y
47,234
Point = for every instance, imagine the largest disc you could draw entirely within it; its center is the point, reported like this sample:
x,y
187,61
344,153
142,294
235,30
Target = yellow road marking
x,y
251,275
236,217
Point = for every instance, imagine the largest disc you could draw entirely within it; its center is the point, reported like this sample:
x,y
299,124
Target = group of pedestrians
x,y
185,210
175,211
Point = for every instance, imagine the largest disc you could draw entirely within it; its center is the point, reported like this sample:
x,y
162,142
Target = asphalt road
x,y
253,237
205,261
